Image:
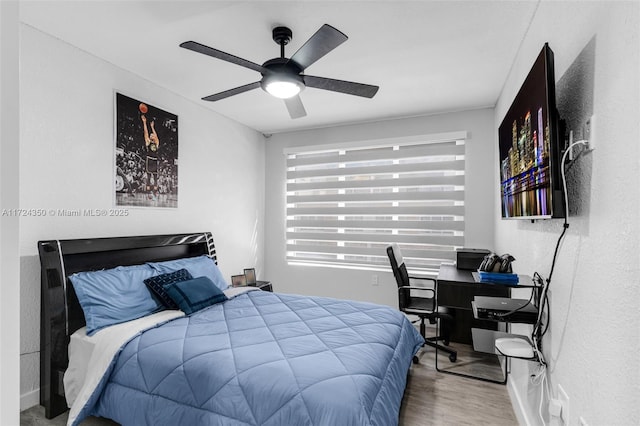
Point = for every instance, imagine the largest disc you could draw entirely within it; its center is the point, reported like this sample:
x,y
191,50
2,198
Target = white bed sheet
x,y
80,349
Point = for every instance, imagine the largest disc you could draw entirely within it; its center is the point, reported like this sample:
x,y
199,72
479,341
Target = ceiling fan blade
x,y
219,54
348,87
231,92
322,42
295,107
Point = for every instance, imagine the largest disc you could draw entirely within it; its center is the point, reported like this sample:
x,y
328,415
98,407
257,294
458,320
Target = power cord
x,y
544,301
540,376
565,225
519,308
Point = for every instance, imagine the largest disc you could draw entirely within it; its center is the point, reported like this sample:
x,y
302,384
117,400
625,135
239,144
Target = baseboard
x,y
518,406
29,399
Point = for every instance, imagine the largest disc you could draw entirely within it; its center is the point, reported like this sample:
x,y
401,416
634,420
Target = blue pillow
x,y
157,284
195,294
200,266
113,296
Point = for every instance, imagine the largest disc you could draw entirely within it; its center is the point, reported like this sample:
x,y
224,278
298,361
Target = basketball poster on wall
x,y
146,157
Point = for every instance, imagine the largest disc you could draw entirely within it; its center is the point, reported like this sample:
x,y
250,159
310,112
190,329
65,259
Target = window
x,y
345,205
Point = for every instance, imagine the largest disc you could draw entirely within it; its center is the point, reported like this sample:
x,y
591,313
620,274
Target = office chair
x,y
422,306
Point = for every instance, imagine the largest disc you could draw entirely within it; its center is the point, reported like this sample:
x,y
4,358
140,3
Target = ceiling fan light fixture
x,y
283,89
282,85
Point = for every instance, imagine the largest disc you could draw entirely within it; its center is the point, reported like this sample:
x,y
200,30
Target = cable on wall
x,y
539,377
544,302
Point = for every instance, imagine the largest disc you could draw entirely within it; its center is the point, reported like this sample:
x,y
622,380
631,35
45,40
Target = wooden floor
x,y
437,398
431,398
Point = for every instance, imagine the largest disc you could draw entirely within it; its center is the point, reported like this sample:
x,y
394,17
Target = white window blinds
x,y
344,206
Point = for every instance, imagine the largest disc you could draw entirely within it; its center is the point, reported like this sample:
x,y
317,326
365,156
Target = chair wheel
x,y
453,357
416,360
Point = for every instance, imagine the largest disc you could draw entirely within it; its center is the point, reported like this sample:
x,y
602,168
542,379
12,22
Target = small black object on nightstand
x,y
264,285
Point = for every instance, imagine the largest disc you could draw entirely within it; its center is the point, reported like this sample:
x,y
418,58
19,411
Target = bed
x,y
251,358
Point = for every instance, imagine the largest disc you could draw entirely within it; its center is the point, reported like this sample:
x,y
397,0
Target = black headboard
x,y
60,312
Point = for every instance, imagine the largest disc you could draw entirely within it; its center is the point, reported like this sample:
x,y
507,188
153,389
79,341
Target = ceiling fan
x,y
283,77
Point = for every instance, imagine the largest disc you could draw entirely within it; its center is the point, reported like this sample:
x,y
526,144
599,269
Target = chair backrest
x,y
399,272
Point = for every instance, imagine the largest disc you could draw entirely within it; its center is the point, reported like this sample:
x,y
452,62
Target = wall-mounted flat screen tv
x,y
530,147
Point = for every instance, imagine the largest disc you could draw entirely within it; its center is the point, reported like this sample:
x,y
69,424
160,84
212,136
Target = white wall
x,y
356,284
9,174
593,343
66,162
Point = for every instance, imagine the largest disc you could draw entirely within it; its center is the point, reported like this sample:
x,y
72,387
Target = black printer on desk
x,y
470,259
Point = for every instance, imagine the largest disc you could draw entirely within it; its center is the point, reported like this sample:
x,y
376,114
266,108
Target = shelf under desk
x,y
456,290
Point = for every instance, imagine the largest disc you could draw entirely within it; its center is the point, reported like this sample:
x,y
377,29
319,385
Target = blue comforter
x,y
266,359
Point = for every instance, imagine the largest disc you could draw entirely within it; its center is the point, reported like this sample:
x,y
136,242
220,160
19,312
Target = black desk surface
x,y
453,274
457,288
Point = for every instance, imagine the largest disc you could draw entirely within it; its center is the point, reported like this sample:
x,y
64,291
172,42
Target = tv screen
x,y
529,147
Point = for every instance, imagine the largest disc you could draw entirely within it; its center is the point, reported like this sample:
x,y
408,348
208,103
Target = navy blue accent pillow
x,y
158,283
200,266
195,294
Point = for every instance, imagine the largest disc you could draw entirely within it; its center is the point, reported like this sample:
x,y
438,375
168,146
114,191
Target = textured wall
x,y
66,162
593,341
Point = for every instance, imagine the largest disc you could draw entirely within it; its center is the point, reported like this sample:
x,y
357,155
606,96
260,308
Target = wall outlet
x,y
590,131
374,279
564,401
570,143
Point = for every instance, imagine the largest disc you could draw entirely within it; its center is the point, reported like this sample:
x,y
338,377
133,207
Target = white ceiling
x,y
426,56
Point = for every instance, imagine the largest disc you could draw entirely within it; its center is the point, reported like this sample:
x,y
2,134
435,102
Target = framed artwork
x,y
250,274
146,154
238,280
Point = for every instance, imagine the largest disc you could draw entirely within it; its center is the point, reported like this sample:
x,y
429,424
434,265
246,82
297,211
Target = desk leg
x,y
502,360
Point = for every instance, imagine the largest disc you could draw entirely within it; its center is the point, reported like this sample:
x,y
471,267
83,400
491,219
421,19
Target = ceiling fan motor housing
x,y
282,35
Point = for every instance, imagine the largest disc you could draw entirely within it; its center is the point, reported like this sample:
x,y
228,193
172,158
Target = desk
x,y
456,289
